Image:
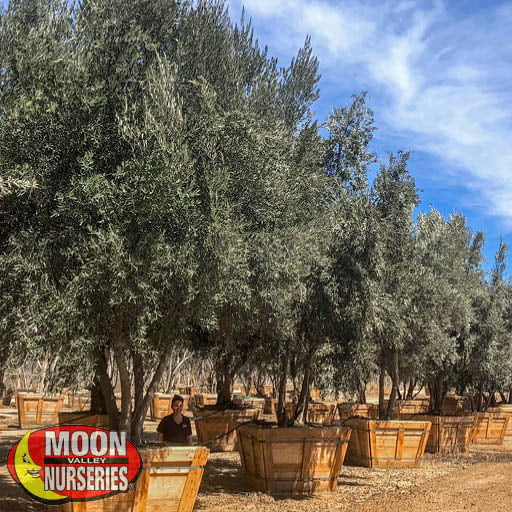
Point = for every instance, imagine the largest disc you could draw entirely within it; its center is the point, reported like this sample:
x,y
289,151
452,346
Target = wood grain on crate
x,y
490,428
416,406
293,460
449,434
318,412
219,428
348,409
376,443
169,482
84,418
35,410
505,410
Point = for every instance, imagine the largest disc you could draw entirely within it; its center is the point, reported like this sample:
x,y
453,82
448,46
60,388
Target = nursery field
x,y
477,481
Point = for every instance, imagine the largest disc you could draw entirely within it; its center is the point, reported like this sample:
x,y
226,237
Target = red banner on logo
x,y
74,463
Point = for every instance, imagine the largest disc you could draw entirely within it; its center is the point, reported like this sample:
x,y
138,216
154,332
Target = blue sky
x,y
439,79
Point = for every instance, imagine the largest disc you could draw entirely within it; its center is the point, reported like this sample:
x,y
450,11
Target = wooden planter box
x,y
169,482
84,418
410,407
255,403
204,399
318,412
270,406
299,460
453,405
219,428
505,410
36,411
267,390
376,443
349,409
161,405
78,402
490,428
449,434
187,390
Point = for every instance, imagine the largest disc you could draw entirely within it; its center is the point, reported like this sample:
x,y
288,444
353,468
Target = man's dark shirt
x,y
174,433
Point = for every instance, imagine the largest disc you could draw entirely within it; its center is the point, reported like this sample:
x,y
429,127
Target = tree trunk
x,y
382,380
301,409
98,404
138,379
225,377
106,389
2,384
124,373
293,373
410,389
395,377
437,394
141,407
282,419
491,400
361,394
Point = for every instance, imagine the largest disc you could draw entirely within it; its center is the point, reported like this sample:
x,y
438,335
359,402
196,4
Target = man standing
x,y
175,428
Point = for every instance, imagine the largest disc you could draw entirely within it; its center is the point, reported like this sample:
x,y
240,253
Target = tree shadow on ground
x,y
14,499
224,476
221,475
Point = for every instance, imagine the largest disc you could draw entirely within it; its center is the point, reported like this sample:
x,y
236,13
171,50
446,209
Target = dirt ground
x,y
477,481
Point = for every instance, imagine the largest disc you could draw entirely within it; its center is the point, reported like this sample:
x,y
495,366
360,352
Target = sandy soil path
x,y
482,487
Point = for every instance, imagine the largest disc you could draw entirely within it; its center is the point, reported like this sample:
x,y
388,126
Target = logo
x,y
74,463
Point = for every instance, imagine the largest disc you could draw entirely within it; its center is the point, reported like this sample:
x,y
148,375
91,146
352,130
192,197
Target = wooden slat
x,y
219,428
34,411
490,428
292,460
168,483
376,443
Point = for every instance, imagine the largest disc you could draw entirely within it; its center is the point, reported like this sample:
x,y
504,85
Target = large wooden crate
x,y
255,403
349,409
379,443
454,404
187,390
35,411
169,482
505,410
218,429
270,405
293,460
321,413
267,390
161,405
490,428
84,418
449,434
77,402
318,412
203,399
409,407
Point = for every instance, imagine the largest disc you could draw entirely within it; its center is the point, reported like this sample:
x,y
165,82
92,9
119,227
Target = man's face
x,y
177,406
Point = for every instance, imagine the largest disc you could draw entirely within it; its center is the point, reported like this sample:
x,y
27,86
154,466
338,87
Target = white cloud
x,y
440,78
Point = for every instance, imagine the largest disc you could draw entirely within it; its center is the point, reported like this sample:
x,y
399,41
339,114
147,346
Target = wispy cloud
x,y
439,76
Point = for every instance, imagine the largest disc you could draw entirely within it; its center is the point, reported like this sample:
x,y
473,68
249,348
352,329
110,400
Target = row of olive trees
x,y
186,201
